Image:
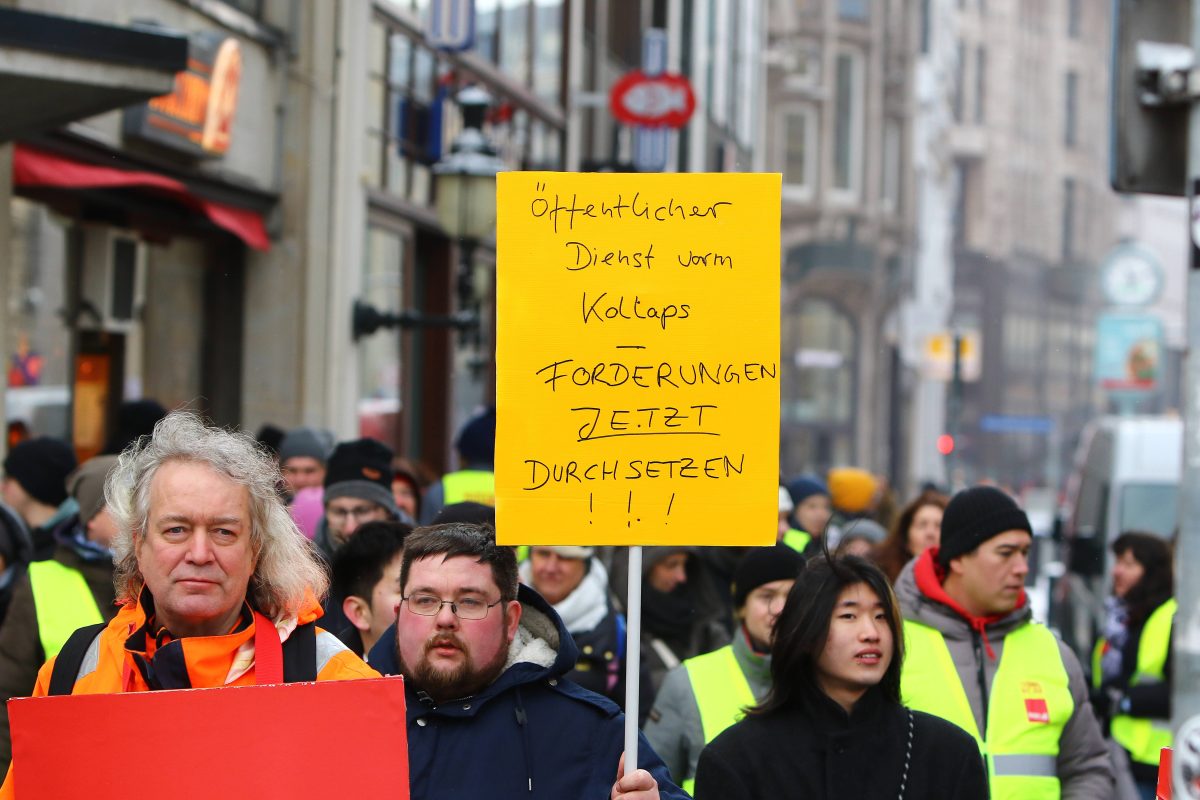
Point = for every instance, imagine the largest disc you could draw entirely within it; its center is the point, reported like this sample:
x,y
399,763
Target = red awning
x,y
33,167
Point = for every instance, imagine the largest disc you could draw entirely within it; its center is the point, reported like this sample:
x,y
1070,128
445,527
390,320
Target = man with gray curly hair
x,y
217,585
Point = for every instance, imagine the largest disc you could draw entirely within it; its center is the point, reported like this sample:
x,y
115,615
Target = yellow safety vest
x,y
1143,737
469,485
797,539
62,602
722,693
1028,706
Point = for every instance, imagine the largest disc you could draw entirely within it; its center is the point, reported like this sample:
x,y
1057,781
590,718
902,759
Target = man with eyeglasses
x,y
358,490
490,713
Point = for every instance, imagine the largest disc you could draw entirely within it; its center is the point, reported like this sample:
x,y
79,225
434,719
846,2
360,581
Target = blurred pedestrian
x,y
917,528
675,626
72,589
366,575
1131,666
860,538
35,486
977,659
709,692
575,583
303,453
810,515
832,725
474,480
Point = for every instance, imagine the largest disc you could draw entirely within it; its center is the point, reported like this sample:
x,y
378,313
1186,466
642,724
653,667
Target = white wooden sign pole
x,y
633,657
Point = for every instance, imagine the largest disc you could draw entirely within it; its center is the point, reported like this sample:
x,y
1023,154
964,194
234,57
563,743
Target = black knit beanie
x,y
763,565
975,515
361,469
41,466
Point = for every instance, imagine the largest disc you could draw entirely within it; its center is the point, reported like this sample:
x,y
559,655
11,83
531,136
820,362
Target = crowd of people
x,y
869,634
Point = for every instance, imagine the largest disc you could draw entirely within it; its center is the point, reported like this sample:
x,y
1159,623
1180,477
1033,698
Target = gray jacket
x,y
1084,768
673,727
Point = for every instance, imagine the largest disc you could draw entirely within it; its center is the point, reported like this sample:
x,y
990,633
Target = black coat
x,y
821,752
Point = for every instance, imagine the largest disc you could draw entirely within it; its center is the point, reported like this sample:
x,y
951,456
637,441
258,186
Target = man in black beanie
x,y
358,489
964,608
35,486
703,696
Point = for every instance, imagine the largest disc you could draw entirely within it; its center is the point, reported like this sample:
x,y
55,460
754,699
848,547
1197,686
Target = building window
x,y
1068,219
380,356
890,191
514,39
848,123
980,84
487,21
798,139
960,81
1070,114
1074,27
859,10
547,52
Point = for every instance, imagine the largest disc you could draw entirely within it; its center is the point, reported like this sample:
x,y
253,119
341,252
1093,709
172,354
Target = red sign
x,y
1036,710
249,741
641,99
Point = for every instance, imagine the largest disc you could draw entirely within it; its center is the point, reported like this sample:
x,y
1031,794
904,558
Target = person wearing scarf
x,y
977,658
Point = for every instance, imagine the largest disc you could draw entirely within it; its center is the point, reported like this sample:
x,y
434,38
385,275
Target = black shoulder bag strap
x,y
70,658
300,655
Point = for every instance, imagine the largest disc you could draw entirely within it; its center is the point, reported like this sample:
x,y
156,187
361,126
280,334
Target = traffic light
x,y
1148,149
945,444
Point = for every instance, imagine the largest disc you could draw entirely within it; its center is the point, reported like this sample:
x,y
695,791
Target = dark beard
x,y
444,685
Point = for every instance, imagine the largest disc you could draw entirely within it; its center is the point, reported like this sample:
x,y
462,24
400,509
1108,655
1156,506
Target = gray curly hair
x,y
288,571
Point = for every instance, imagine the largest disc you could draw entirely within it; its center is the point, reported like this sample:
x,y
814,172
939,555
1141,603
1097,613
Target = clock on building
x,y
1131,276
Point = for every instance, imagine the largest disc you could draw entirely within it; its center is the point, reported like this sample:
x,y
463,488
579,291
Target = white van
x,y
1126,477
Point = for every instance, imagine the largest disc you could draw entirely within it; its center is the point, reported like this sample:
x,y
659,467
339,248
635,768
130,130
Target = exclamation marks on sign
x,y
629,510
670,503
590,509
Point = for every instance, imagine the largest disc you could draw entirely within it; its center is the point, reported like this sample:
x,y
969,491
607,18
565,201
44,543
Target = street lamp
x,y
466,209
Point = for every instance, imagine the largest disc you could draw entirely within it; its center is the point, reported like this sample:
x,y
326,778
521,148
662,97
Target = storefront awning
x,y
34,168
55,69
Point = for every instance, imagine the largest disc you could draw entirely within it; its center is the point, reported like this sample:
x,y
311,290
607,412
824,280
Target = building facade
x,y
839,129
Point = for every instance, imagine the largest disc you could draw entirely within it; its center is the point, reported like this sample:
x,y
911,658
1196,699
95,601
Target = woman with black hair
x,y
832,725
1131,666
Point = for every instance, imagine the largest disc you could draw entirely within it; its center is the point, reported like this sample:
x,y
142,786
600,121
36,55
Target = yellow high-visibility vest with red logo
x,y
1028,706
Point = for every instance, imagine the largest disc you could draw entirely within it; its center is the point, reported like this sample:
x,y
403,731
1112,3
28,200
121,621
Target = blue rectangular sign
x,y
1003,423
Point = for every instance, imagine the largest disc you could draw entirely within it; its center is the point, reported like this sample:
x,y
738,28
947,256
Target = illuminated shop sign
x,y
197,117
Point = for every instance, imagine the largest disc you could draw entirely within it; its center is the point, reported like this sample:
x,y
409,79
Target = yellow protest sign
x,y
637,359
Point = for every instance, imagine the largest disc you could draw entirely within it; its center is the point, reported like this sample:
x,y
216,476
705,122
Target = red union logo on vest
x,y
641,99
1036,710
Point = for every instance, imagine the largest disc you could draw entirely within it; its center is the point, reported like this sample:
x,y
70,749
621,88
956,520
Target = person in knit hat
x,y
35,486
701,697
474,480
302,456
358,489
72,589
810,514
975,657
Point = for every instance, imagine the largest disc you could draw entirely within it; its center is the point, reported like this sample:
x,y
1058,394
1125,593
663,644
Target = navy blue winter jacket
x,y
531,734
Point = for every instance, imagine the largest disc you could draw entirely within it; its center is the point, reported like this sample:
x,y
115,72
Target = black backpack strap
x,y
70,659
300,655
